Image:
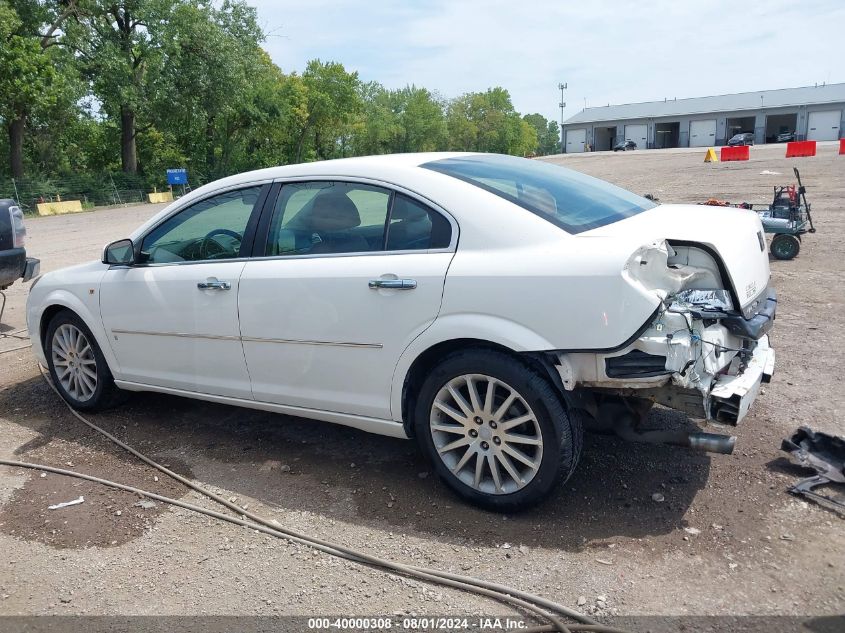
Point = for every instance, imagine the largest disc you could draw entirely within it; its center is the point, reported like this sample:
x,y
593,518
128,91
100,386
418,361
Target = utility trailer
x,y
787,217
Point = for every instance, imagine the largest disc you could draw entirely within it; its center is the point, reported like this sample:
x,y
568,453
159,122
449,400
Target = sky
x,y
606,52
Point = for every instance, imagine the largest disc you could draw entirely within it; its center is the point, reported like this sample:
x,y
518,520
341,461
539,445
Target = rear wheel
x,y
77,365
496,430
785,246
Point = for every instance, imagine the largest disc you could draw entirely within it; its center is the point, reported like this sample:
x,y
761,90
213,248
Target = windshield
x,y
566,198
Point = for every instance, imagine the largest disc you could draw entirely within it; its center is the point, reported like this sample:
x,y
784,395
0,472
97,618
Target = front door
x,y
172,319
352,273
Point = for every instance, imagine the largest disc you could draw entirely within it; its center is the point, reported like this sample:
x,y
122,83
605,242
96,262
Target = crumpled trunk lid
x,y
735,235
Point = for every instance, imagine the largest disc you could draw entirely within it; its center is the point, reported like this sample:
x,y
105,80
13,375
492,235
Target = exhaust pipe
x,y
624,424
700,441
712,443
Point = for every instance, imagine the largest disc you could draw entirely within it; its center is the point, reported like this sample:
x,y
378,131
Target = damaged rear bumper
x,y
732,396
707,361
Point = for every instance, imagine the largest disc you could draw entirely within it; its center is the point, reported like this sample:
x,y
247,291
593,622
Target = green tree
x,y
488,122
119,46
29,83
333,101
548,134
211,61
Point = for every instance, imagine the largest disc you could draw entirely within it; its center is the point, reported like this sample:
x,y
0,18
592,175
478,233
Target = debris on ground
x,y
65,504
146,504
826,455
659,498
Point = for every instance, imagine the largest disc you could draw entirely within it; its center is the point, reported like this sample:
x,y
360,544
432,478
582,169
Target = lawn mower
x,y
787,217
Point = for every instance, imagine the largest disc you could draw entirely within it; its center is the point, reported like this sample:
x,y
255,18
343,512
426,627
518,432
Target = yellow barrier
x,y
160,196
710,156
58,208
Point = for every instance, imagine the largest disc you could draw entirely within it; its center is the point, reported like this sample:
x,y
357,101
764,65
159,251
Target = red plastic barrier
x,y
738,152
797,149
842,146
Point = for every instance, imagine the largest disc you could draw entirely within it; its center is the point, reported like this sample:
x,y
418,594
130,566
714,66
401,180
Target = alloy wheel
x,y
486,434
74,362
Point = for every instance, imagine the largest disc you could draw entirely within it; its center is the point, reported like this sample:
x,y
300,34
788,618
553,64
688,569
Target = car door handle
x,y
393,284
213,284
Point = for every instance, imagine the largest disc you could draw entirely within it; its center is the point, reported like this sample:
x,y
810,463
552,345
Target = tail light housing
x,y
18,228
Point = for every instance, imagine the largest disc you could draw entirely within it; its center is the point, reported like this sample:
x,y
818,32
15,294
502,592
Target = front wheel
x,y
77,365
496,430
785,246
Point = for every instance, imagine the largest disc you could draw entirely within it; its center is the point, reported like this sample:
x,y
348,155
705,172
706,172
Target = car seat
x,y
331,218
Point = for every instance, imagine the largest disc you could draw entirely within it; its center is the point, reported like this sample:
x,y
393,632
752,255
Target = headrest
x,y
332,210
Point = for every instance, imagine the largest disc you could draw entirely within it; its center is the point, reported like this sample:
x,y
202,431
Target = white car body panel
x,y
77,289
315,335
739,247
165,331
307,336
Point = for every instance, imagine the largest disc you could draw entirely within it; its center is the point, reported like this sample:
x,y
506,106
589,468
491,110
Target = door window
x,y
211,229
413,226
334,217
328,217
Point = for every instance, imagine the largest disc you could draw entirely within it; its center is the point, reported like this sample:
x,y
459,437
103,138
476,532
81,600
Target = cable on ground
x,y
541,607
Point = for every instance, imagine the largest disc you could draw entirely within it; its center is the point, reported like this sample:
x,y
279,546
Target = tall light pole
x,y
562,106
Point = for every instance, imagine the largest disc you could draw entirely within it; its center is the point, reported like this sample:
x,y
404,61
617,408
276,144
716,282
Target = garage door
x,y
702,133
575,140
638,134
824,126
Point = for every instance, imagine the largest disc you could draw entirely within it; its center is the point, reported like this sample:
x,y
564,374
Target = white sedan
x,y
488,306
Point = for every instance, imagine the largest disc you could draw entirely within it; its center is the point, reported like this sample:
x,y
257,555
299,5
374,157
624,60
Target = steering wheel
x,y
208,239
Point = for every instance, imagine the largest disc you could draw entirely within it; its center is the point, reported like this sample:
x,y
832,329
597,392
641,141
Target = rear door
x,y
350,274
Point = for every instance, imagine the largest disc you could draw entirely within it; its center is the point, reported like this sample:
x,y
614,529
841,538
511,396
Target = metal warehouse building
x,y
813,113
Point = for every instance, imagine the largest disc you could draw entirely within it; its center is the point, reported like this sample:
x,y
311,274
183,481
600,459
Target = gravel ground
x,y
726,540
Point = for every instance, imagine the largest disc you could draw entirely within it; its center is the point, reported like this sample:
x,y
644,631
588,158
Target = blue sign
x,y
177,176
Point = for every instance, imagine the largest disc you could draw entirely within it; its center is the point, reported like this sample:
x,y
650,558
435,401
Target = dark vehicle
x,y
786,137
14,264
743,138
624,146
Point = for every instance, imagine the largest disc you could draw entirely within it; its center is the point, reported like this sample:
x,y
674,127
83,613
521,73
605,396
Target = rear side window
x,y
568,199
413,226
321,218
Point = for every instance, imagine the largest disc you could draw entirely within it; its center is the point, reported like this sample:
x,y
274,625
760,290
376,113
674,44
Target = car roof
x,y
341,166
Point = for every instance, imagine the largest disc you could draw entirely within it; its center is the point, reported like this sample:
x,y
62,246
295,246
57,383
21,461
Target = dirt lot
x,y
754,550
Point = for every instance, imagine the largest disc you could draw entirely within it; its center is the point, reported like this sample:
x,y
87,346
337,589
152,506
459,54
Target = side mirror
x,y
119,253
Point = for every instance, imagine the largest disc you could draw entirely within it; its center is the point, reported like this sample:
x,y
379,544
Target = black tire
x,y
105,394
561,434
785,246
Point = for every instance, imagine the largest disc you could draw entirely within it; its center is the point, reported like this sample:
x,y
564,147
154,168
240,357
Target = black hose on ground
x,y
502,593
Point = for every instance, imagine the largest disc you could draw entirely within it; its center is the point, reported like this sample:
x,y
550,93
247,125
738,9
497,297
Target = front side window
x,y
207,230
573,201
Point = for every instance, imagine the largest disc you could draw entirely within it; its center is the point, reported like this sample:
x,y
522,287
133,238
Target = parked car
x,y
786,137
624,146
744,138
487,306
14,264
